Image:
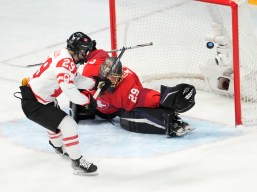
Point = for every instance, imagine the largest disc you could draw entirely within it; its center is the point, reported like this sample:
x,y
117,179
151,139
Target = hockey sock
x,y
55,138
70,139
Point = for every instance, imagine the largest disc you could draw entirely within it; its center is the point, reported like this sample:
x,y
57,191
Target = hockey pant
x,y
48,116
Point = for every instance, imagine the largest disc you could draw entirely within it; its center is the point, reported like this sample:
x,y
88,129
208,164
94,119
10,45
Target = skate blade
x,y
184,131
83,173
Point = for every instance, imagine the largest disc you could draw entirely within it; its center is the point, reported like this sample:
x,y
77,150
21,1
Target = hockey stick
x,y
111,51
98,90
132,47
33,65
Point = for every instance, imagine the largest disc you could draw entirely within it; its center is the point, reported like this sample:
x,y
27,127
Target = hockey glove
x,y
181,98
186,100
90,108
103,82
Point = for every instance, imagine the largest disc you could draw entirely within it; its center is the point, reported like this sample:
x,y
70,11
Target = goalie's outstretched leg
x,y
154,121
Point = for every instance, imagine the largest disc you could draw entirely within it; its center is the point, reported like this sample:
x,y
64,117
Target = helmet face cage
x,y
84,47
116,71
104,70
111,68
117,81
116,78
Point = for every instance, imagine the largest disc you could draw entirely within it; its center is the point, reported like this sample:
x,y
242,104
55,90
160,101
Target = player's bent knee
x,y
68,124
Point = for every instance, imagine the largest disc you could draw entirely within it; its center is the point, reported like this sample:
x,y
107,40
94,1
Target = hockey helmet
x,y
80,43
111,69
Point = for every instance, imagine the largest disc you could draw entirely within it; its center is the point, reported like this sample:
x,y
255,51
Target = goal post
x,y
235,48
236,65
179,29
113,26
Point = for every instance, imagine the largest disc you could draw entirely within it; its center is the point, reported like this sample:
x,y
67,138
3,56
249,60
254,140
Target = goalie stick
x,y
132,47
111,51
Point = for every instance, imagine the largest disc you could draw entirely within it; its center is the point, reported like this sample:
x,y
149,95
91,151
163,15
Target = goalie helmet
x,y
112,70
80,43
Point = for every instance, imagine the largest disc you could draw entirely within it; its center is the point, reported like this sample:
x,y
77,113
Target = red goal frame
x,y
235,45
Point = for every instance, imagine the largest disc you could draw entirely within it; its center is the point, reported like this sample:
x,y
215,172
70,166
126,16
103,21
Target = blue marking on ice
x,y
99,138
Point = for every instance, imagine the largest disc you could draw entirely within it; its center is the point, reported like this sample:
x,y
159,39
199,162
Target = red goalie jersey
x,y
128,94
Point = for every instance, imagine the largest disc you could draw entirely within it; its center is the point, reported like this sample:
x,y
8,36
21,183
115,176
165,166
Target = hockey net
x,y
178,30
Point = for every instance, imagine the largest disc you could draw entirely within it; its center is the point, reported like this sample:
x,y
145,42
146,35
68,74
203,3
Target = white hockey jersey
x,y
59,74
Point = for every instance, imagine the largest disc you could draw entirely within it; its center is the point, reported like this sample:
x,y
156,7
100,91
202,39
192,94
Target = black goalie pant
x,y
145,120
48,116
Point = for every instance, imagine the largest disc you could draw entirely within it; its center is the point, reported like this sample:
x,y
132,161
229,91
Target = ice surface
x,y
215,157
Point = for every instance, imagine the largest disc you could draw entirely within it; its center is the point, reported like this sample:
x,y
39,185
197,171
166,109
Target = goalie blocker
x,y
163,120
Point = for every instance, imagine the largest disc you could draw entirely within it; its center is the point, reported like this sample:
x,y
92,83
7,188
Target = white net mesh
x,y
178,29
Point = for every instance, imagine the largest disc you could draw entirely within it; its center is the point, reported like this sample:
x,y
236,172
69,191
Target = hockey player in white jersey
x,y
56,75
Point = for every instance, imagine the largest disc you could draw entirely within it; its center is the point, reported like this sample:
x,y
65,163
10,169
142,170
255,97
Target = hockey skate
x,y
181,127
84,168
60,150
175,126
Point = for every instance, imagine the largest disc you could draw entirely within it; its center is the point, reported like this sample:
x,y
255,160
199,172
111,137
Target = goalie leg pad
x,y
154,121
143,120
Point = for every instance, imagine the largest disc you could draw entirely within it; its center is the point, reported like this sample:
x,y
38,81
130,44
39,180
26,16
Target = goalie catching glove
x,y
103,83
180,98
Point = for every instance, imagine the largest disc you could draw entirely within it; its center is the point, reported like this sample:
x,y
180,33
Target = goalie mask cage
x,y
178,30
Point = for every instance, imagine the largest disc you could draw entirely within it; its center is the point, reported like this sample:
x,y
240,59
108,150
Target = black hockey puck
x,y
210,45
